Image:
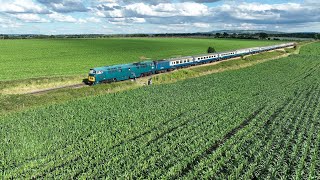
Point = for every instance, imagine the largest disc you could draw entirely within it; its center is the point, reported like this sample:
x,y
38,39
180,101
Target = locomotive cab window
x,y
92,71
99,72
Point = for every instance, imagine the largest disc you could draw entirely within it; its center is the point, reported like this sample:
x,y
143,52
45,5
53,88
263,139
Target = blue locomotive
x,y
122,72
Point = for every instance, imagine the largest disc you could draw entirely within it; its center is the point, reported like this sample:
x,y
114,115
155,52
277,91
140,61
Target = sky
x,y
156,16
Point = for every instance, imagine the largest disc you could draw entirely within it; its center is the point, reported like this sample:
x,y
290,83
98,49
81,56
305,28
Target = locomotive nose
x,y
91,78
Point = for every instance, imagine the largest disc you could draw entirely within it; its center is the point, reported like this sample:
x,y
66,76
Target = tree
x,y
263,35
317,36
225,34
211,50
218,35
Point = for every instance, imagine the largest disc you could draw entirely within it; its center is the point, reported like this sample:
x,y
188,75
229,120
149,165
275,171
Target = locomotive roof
x,y
118,66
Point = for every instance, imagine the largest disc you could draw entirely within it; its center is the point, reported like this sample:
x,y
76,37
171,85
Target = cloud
x,y
153,2
173,15
7,22
31,18
141,10
168,10
93,20
21,6
62,18
59,17
201,1
202,25
258,13
64,6
126,21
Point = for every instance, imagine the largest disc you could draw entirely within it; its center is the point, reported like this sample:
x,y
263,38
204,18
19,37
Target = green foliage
x,y
24,59
261,121
211,50
313,49
263,35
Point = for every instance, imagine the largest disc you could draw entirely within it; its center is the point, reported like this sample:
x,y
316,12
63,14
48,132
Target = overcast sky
x,y
156,16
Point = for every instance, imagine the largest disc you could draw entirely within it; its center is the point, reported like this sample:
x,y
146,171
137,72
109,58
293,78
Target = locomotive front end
x,y
92,77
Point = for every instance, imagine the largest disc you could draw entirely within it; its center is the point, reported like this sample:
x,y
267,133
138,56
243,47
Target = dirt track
x,y
56,88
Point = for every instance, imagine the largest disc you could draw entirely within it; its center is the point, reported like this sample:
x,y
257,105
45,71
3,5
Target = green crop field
x,y
24,59
261,121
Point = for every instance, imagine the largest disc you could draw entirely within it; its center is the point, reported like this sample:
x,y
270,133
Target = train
x,y
121,72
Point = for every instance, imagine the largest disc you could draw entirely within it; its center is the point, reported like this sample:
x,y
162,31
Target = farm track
x,y
80,85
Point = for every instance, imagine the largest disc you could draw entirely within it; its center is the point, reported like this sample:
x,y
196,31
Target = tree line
x,y
168,35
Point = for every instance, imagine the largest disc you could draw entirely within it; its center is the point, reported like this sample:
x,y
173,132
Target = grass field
x,y
25,59
261,121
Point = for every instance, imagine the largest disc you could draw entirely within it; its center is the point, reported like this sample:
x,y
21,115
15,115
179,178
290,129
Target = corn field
x,y
257,122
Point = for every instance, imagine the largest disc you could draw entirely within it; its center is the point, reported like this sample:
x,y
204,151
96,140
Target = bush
x,y
211,50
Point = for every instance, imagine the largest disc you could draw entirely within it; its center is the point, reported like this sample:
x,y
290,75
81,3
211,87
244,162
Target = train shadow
x,y
86,81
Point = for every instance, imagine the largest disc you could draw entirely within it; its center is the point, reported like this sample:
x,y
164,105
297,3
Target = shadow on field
x,y
85,81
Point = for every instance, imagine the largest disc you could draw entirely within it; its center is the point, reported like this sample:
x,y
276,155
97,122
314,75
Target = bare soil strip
x,y
56,88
